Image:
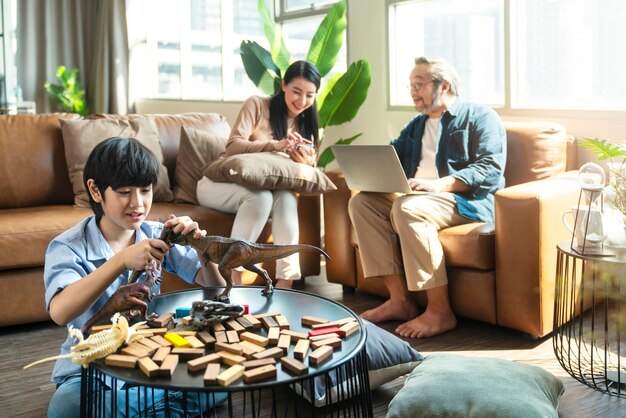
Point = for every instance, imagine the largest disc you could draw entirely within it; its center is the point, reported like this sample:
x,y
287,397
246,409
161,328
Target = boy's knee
x,y
65,402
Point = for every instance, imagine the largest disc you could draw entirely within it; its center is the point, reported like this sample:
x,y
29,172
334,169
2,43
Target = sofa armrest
x,y
341,268
528,229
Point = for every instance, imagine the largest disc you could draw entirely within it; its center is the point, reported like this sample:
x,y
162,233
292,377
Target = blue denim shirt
x,y
471,148
82,249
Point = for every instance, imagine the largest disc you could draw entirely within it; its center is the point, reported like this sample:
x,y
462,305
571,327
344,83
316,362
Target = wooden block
x,y
249,349
150,344
233,325
294,366
269,322
256,324
97,328
149,350
295,335
211,373
206,338
232,336
272,335
186,332
320,337
195,342
168,365
148,367
176,340
273,352
247,325
188,353
312,320
257,339
301,348
231,348
218,327
334,342
162,320
145,332
282,322
142,326
135,350
284,342
201,363
251,364
320,355
160,355
221,336
187,320
327,330
230,375
266,315
153,331
160,340
182,312
349,328
338,322
259,373
230,358
120,360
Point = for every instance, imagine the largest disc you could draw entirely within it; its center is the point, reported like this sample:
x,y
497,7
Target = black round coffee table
x,y
281,395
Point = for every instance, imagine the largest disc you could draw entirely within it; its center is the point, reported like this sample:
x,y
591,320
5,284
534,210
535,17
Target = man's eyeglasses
x,y
418,86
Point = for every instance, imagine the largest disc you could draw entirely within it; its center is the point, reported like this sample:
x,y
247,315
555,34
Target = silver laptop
x,y
372,168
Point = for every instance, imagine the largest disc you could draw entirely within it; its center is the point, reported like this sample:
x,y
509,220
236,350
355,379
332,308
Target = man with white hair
x,y
453,149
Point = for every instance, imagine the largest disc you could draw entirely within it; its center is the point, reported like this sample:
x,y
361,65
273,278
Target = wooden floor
x,y
25,393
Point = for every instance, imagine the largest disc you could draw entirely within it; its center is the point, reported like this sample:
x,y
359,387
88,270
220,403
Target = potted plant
x,y
70,93
340,97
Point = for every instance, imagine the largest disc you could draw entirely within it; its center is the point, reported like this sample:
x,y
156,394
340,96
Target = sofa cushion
x,y
471,245
271,171
197,149
81,136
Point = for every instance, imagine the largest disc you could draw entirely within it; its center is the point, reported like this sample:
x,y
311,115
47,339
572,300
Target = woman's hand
x,y
303,153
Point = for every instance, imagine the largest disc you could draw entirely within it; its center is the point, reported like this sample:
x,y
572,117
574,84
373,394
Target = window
x,y
189,49
513,54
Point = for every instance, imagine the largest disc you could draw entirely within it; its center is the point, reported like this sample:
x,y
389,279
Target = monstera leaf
x,y
328,39
344,99
327,156
259,67
280,54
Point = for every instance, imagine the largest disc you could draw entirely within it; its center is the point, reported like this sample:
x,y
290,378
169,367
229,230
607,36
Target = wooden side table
x,y
590,318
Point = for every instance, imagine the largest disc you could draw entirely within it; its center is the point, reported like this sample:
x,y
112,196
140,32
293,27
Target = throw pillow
x,y
270,171
388,357
197,149
81,136
457,386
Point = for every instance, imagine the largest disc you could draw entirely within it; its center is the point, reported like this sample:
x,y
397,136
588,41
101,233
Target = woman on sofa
x,y
287,122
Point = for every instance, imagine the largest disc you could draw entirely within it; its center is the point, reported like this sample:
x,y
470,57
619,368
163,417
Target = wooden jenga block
x,y
282,322
338,323
251,364
153,331
162,321
256,324
231,348
272,335
307,321
269,322
218,327
211,373
321,337
186,333
221,336
149,350
249,349
161,341
294,366
176,340
206,338
247,325
160,355
327,330
188,353
230,375
334,342
168,365
150,344
230,358
232,336
320,355
284,341
148,367
233,325
349,328
142,326
201,363
187,320
257,339
266,315
301,348
136,350
295,335
259,373
120,360
195,342
97,328
273,352
145,332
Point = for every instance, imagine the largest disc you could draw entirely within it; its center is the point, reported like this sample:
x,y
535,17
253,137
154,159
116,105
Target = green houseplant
x,y
69,93
340,98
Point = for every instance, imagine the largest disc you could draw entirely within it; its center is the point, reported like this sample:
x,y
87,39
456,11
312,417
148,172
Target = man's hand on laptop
x,y
433,186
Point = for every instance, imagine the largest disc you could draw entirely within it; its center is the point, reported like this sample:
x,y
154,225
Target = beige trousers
x,y
253,208
398,234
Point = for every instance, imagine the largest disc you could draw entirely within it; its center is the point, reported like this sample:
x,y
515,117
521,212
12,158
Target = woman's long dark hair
x,y
308,121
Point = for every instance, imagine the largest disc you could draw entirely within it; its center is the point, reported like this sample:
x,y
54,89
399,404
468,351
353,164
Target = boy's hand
x,y
184,225
143,254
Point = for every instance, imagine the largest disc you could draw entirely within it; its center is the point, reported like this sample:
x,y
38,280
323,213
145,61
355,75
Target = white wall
x,y
367,39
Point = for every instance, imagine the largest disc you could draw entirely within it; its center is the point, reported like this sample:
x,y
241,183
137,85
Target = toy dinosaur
x,y
229,253
208,312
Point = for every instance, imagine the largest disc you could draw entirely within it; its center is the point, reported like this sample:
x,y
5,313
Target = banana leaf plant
x,y
70,93
340,98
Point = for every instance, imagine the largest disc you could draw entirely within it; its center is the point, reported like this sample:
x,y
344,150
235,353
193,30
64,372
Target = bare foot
x,y
391,310
284,284
430,323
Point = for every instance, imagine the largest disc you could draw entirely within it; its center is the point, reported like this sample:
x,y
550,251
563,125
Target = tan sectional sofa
x,y
37,204
500,273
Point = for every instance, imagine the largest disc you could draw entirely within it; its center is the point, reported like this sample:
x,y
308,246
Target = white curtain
x,y
89,35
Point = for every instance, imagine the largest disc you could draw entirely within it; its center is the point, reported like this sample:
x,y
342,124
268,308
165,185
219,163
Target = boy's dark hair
x,y
119,162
